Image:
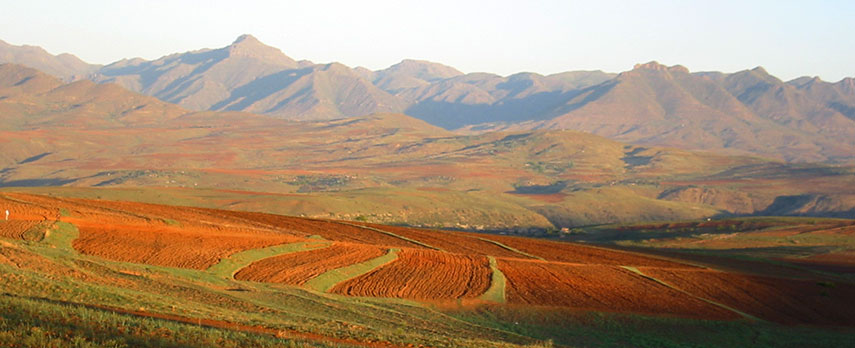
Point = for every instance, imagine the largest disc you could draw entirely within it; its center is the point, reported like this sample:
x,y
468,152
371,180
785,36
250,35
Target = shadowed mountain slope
x,y
250,76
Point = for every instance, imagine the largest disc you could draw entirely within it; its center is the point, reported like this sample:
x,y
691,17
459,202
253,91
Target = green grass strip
x,y
496,292
227,267
328,279
743,314
61,235
391,234
512,249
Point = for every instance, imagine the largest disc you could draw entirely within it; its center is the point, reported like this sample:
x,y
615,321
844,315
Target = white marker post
x,y
7,214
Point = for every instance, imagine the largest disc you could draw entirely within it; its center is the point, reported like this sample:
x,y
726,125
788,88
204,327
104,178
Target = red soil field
x,y
23,215
329,230
577,253
15,229
298,268
787,301
423,275
168,246
155,234
21,208
600,288
454,242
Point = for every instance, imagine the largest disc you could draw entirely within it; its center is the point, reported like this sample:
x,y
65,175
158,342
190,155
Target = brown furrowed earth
x,y
451,242
169,246
298,268
788,301
577,253
425,275
600,288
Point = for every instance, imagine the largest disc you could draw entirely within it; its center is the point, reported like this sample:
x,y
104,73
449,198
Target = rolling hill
x,y
286,280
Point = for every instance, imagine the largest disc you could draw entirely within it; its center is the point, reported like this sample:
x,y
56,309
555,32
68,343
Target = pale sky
x,y
788,38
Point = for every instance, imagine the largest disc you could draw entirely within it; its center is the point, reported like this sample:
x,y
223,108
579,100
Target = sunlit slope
x,y
415,264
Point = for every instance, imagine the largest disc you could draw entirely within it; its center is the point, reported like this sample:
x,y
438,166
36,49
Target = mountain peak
x,y
655,66
760,70
247,42
422,69
246,38
247,45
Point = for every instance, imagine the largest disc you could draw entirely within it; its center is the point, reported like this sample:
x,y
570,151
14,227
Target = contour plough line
x,y
390,234
743,314
512,249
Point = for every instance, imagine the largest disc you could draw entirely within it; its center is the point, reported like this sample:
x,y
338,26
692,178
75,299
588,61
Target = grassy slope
x,y
36,323
329,279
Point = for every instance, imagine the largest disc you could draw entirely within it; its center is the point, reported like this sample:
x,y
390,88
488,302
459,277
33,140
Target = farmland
x,y
424,275
298,268
257,277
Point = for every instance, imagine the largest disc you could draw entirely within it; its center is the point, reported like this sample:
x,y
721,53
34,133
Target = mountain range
x,y
747,112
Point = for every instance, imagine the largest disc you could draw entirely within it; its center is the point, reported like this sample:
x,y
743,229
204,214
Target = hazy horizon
x,y
788,38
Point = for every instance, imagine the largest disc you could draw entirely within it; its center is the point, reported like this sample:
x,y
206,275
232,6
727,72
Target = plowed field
x,y
453,242
20,209
598,287
15,228
153,234
169,246
577,253
329,230
425,275
775,299
298,268
22,217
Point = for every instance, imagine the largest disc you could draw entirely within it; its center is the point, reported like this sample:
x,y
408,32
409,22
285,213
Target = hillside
x,y
285,280
66,66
